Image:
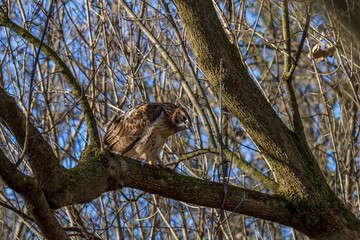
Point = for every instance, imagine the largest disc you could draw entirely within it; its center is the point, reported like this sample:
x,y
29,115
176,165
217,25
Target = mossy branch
x,y
63,68
90,180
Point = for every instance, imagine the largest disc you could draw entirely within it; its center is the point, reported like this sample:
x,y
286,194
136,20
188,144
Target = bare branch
x,y
69,77
289,68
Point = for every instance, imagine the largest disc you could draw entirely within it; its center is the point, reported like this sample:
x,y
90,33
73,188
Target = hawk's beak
x,y
184,125
187,123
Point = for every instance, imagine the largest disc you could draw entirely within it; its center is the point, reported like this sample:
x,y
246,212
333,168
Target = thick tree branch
x,y
37,204
34,197
244,100
11,176
114,171
297,172
40,154
98,172
173,185
90,121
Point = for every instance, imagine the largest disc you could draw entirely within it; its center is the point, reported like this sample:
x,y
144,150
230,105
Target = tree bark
x,y
300,179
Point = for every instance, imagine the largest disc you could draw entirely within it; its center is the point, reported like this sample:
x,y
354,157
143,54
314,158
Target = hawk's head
x,y
181,119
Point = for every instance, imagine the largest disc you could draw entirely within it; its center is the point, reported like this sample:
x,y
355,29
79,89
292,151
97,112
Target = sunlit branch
x,y
286,77
251,171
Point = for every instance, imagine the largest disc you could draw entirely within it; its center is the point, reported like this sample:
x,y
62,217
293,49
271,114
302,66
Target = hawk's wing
x,y
126,130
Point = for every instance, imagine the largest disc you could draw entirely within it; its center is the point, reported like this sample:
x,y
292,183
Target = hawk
x,y
141,132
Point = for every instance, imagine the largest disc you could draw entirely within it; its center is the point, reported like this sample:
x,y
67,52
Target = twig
x,y
252,172
17,211
224,173
302,41
186,156
233,211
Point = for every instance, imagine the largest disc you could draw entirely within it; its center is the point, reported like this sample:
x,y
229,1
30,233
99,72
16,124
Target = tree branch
x,y
134,174
285,22
238,162
251,171
11,176
39,208
114,171
40,155
302,40
69,77
34,197
289,68
244,100
17,211
290,159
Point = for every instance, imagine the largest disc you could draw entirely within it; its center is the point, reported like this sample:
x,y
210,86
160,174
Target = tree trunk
x,y
317,211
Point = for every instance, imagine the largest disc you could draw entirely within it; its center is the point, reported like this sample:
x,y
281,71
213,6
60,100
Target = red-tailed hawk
x,y
141,132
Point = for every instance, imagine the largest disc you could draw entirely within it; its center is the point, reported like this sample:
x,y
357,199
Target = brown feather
x,y
142,131
128,128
